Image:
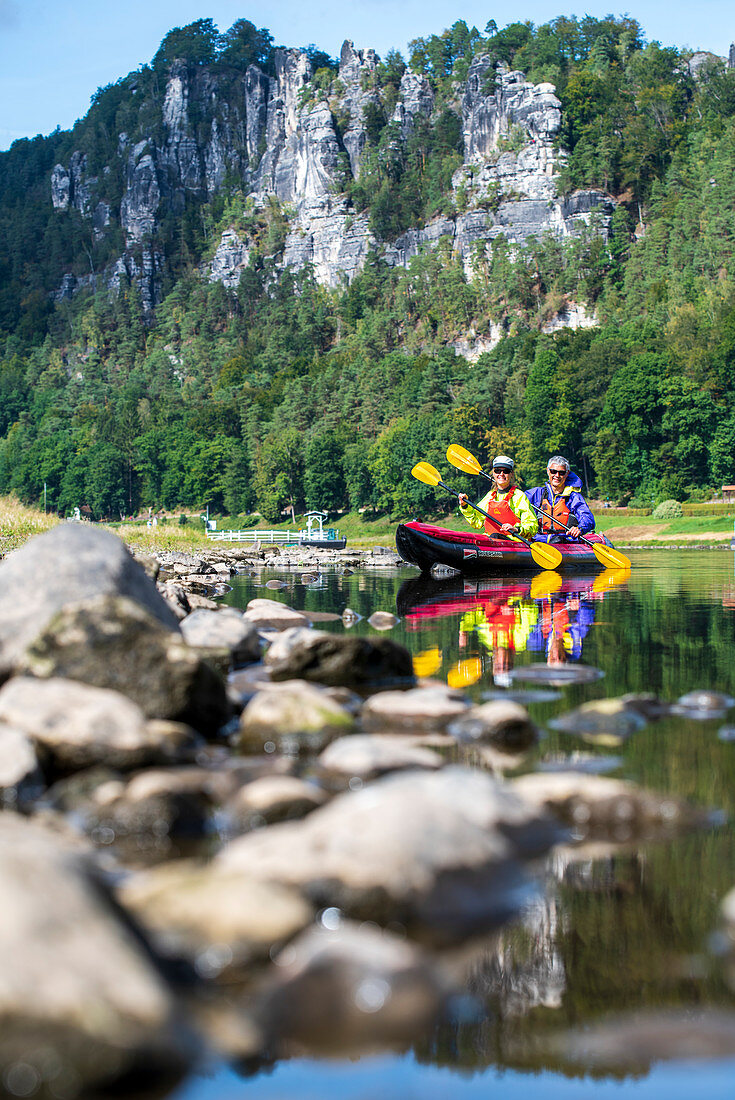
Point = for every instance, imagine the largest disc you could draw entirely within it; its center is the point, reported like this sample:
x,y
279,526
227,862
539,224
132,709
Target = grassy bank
x,y
19,523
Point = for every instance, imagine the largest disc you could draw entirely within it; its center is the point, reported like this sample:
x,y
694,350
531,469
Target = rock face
x,y
287,140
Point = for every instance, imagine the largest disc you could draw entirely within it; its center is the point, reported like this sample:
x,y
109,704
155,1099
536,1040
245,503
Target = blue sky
x,y
54,55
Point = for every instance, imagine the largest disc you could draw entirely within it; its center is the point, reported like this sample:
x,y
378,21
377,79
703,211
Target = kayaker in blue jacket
x,y
561,499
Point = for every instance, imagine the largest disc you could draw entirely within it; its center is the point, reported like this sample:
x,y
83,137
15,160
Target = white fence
x,y
253,536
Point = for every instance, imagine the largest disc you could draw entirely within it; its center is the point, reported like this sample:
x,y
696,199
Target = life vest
x,y
501,512
558,509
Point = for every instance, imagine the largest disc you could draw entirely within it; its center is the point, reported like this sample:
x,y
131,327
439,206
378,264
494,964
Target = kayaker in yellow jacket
x,y
507,504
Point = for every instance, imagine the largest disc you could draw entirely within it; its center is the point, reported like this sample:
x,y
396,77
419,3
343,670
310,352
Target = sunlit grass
x,y
18,523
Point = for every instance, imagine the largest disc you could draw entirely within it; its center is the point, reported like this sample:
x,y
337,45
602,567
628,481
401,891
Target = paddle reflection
x,y
501,622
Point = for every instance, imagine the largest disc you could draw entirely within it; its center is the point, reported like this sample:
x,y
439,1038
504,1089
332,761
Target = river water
x,y
613,978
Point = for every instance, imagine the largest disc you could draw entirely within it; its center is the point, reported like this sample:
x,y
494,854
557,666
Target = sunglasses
x,y
501,469
557,473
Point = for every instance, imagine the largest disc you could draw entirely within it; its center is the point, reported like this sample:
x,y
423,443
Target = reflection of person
x,y
503,628
507,504
560,499
561,627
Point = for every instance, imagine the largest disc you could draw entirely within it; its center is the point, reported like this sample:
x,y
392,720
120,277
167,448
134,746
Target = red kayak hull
x,y
425,545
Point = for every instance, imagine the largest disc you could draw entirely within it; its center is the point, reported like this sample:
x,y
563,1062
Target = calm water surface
x,y
625,935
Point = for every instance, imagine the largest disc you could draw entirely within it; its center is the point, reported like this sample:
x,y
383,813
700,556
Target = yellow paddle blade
x,y
462,459
465,673
427,473
543,584
613,559
545,555
609,579
427,662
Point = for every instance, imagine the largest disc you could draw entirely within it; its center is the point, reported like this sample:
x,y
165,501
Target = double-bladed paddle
x,y
548,557
467,462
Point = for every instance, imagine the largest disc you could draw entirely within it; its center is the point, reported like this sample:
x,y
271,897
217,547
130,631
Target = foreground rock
x,y
112,642
292,717
360,663
368,755
80,1002
227,627
76,726
503,724
69,563
607,808
221,921
273,615
440,851
349,988
420,709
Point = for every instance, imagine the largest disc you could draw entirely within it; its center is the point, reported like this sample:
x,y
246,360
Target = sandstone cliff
x,y
288,138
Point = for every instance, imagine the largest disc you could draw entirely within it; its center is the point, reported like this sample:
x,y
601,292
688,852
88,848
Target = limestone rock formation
x,y
294,145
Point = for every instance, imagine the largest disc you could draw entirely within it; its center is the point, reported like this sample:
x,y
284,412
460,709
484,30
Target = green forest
x,y
283,394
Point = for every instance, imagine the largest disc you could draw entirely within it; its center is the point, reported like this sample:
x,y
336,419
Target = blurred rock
x,y
340,661
421,708
383,620
347,989
630,1043
69,563
607,808
220,921
274,798
370,755
81,1003
293,717
603,721
439,850
21,780
76,725
226,627
273,615
503,724
112,642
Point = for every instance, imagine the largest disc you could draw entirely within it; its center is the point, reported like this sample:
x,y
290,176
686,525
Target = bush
x,y
668,509
183,520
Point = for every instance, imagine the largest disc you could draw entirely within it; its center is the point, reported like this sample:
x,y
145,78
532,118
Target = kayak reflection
x,y
500,620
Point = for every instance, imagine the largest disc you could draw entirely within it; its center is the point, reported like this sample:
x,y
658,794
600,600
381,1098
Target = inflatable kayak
x,y
424,545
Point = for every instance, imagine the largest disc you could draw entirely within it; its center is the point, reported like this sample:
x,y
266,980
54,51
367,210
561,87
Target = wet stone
x,y
367,756
425,707
726,733
227,628
703,705
556,675
345,987
220,921
274,798
383,620
604,807
503,724
522,697
273,615
21,779
292,717
276,585
604,721
339,661
441,850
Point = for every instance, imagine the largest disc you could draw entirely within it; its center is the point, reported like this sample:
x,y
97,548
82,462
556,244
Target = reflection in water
x,y
503,620
619,934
